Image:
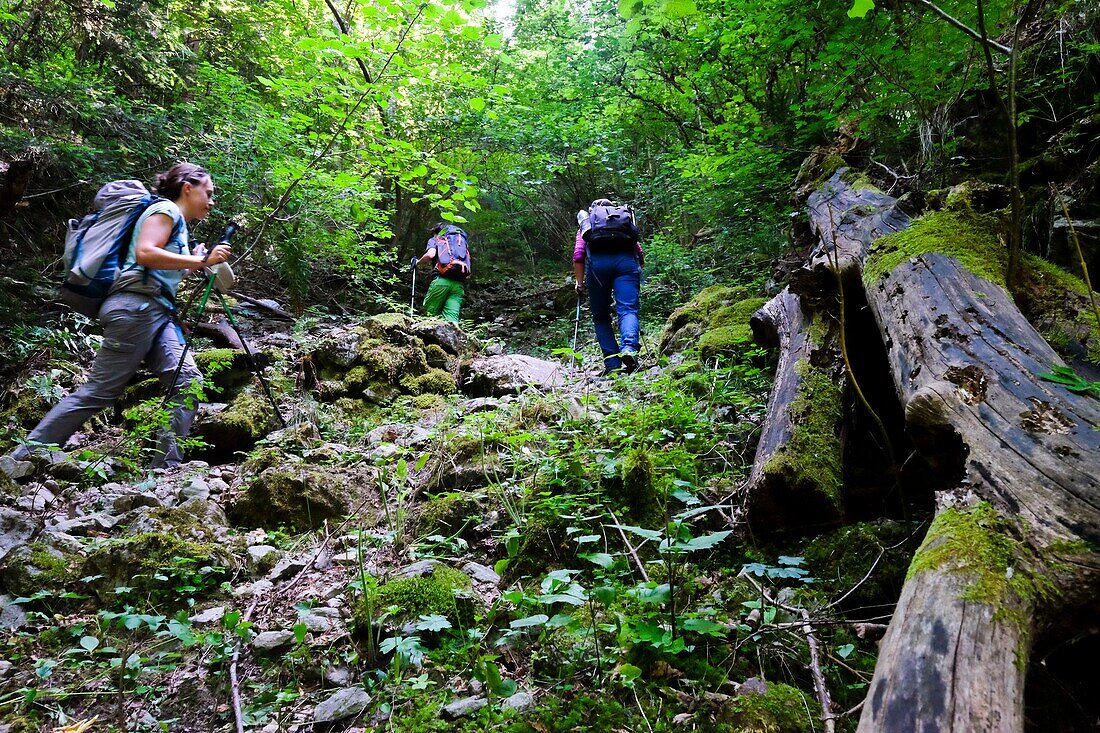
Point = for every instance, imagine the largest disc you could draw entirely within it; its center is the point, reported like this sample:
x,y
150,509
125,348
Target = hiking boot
x,y
630,362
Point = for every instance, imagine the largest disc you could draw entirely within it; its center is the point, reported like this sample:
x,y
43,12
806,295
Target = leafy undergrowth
x,y
608,583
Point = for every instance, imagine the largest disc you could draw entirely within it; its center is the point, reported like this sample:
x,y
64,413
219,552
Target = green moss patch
x,y
154,562
812,458
296,496
225,369
963,235
441,593
782,709
434,381
716,321
979,543
31,568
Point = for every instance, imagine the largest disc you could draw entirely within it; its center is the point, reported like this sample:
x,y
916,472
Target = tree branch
x,y
981,38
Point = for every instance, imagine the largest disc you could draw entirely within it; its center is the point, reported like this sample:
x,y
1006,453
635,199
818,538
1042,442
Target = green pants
x,y
444,296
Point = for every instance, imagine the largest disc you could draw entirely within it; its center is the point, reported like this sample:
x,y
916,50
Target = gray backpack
x,y
97,245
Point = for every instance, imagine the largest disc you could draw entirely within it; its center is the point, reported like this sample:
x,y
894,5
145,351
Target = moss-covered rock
x,y
156,563
27,409
542,545
636,490
433,381
715,321
293,495
428,401
28,569
1058,304
782,709
225,369
437,357
963,235
448,513
244,421
442,593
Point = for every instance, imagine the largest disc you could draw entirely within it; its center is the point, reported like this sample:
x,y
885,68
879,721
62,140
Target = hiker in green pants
x,y
449,253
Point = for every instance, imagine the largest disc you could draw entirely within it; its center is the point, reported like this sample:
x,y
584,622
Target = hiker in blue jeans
x,y
608,262
138,317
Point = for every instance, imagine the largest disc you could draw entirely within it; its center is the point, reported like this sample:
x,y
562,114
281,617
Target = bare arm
x,y
426,257
150,252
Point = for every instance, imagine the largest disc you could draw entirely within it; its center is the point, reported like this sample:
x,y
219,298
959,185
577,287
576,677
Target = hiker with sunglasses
x,y
138,316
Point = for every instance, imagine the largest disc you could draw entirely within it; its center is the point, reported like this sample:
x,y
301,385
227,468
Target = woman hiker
x,y
138,317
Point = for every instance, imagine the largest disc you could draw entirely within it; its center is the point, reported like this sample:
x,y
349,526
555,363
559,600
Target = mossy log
x,y
950,660
965,364
795,480
846,219
1013,551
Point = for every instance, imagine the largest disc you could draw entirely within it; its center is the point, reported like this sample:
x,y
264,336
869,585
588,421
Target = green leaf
x,y
477,104
89,642
628,673
679,8
434,622
706,541
649,534
182,631
599,558
536,620
860,8
652,593
705,626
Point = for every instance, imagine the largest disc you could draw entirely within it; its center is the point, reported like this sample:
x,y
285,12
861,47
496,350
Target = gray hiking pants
x,y
135,329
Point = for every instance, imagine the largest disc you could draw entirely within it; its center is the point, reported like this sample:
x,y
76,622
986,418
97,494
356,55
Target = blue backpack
x,y
452,254
610,228
96,246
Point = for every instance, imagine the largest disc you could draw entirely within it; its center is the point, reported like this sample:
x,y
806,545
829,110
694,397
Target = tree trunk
x,y
1021,457
796,476
846,220
1013,548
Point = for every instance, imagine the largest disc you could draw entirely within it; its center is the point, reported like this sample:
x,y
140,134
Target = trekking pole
x,y
576,329
207,289
412,299
251,359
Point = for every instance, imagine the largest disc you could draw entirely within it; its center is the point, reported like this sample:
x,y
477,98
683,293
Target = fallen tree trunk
x,y
846,219
966,366
1018,532
1016,459
220,332
796,475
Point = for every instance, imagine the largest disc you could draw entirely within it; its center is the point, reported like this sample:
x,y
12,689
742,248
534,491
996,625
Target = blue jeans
x,y
617,274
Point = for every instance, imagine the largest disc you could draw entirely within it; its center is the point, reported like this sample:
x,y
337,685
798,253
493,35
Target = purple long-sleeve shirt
x,y
581,246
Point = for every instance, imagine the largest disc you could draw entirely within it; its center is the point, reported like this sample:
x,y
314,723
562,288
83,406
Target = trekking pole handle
x,y
225,238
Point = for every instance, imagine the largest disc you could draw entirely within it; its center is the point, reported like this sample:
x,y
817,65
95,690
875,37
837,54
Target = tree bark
x,y
795,480
1025,455
1012,550
16,179
846,220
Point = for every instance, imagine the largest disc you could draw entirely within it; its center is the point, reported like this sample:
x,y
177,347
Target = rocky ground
x,y
443,536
